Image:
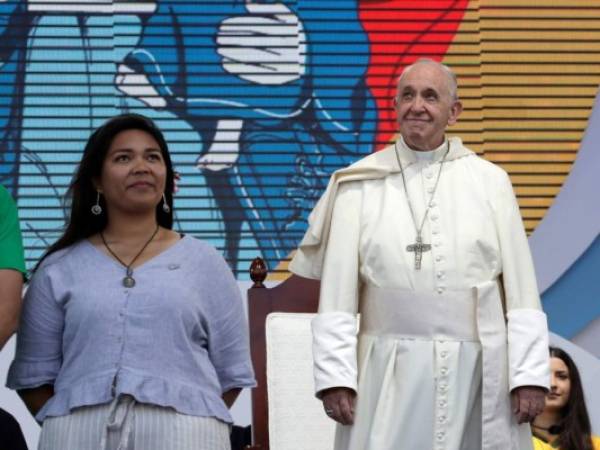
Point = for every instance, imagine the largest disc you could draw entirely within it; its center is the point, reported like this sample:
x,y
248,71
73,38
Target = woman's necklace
x,y
419,247
128,280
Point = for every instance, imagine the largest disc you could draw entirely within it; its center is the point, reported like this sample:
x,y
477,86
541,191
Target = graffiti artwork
x,y
261,100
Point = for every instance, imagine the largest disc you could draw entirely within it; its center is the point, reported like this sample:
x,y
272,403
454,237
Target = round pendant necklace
x,y
128,280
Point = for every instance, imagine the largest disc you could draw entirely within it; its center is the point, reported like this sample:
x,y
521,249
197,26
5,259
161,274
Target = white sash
x,y
461,315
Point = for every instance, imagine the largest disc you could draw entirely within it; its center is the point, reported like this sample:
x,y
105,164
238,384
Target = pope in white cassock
x,y
425,240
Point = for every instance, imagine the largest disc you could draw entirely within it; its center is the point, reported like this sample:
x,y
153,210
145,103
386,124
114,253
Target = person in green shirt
x,y
12,275
12,266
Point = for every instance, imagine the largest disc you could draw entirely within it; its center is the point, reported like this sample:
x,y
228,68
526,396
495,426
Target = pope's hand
x,y
264,46
527,402
339,404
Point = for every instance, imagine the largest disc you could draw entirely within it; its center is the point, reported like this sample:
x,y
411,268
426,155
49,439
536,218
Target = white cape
x,y
356,242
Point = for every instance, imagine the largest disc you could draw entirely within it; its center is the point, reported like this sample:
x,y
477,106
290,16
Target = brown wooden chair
x,y
297,296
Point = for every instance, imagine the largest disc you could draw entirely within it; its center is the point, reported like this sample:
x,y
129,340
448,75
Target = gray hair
x,y
450,75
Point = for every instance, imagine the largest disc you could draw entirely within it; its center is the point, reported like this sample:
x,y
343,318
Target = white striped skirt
x,y
125,424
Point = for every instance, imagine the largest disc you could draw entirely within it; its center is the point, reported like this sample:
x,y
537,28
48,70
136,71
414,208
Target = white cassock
x,y
439,348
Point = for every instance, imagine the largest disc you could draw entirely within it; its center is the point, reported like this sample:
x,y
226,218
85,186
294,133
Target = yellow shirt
x,y
538,444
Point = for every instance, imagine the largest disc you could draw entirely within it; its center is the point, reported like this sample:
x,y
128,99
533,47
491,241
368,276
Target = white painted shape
x,y
265,46
225,149
91,6
138,86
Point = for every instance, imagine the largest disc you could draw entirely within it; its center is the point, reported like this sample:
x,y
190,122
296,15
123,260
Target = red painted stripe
x,y
400,32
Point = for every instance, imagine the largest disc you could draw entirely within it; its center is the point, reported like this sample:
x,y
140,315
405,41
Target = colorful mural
x,y
262,100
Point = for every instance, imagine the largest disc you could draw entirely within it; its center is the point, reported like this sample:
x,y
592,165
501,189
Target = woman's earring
x,y
97,209
165,205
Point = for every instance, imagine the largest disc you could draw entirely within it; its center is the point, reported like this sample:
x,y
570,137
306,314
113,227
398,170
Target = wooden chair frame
x,y
294,295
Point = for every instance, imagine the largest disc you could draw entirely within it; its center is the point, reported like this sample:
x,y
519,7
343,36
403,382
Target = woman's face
x,y
133,173
560,385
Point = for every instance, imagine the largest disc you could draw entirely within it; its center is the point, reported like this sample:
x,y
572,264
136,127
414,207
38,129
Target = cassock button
x,y
430,190
432,203
440,290
441,419
442,403
435,231
429,175
438,258
444,371
434,217
440,274
444,354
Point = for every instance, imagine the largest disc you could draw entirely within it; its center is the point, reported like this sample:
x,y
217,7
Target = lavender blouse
x,y
178,338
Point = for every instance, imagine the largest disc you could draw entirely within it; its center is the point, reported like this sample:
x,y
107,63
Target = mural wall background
x,y
261,100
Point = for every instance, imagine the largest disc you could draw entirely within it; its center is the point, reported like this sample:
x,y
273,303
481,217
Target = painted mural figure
x,y
65,90
260,83
15,22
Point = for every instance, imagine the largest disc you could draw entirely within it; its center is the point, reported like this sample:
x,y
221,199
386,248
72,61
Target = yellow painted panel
x,y
540,69
549,191
540,91
535,202
538,113
535,125
532,148
557,79
490,23
555,47
539,4
537,179
490,13
464,50
540,136
536,79
528,157
532,213
562,102
540,35
561,168
532,57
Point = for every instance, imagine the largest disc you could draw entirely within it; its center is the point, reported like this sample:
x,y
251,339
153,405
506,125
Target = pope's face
x,y
424,106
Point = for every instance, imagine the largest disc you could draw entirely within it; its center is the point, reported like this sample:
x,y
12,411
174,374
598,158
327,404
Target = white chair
x,y
296,417
285,413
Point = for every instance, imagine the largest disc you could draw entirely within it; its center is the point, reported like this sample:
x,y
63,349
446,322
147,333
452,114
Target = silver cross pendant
x,y
418,247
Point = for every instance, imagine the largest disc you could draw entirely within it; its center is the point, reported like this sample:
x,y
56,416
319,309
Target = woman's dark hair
x,y
81,194
575,422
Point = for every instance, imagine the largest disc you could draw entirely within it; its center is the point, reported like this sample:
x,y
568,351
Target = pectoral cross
x,y
418,247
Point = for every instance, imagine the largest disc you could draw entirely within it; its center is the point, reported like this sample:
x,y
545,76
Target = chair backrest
x,y
285,413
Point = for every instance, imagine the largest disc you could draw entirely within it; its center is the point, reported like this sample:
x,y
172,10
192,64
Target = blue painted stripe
x,y
574,300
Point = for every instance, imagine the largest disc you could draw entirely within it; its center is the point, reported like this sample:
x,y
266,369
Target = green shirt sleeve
x,y
11,244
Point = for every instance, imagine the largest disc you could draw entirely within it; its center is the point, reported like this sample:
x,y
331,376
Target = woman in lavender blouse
x,y
132,336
